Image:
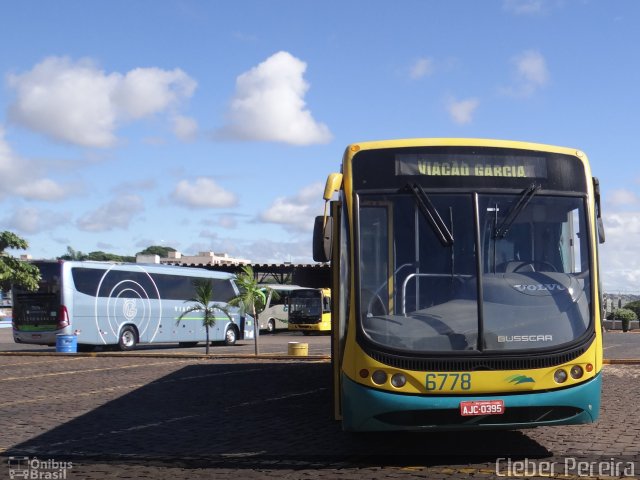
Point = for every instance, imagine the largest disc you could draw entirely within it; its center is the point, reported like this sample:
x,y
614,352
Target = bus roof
x,y
470,142
147,267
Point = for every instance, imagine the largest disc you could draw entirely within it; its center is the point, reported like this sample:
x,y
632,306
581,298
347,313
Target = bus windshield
x,y
305,306
492,272
39,310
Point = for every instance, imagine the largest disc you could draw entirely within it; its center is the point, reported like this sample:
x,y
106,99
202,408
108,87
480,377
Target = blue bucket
x,y
66,343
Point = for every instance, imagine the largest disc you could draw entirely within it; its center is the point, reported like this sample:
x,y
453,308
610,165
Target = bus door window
x,y
326,303
374,259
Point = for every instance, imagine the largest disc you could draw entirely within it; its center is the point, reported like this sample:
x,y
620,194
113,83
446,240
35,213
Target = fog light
x,y
364,373
379,377
576,372
560,376
398,380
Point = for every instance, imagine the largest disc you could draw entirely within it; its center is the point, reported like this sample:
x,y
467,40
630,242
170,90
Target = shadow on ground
x,y
249,416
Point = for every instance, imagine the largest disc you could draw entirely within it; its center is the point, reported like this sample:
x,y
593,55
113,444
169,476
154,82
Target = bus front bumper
x,y
367,409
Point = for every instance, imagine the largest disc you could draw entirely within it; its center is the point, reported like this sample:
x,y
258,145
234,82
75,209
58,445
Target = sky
x,y
212,125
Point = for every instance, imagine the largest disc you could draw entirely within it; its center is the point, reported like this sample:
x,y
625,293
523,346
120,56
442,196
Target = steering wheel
x,y
538,263
375,304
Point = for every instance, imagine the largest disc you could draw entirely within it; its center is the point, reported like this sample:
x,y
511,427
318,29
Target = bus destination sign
x,y
469,165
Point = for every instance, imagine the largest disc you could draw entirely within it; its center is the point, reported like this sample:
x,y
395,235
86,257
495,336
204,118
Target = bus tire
x,y
271,326
128,338
230,336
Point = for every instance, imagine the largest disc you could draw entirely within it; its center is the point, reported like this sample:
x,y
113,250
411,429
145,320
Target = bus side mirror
x,y
322,238
599,222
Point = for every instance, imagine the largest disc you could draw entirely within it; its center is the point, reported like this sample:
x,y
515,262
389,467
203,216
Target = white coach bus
x,y
123,305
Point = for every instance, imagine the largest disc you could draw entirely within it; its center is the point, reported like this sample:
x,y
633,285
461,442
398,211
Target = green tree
x,y
251,299
73,254
203,302
635,306
162,252
624,314
12,270
101,256
97,255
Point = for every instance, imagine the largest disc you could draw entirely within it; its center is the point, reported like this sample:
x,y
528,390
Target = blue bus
x,y
123,305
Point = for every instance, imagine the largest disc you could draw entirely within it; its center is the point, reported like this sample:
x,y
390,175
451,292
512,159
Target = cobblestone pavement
x,y
617,345
135,417
319,344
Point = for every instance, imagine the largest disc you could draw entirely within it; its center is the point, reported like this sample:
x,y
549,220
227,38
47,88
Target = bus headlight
x,y
379,377
576,372
398,380
560,376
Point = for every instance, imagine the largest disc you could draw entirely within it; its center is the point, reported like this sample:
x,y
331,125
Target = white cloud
x,y
117,214
619,260
297,212
269,105
77,103
20,177
622,198
421,68
227,221
146,91
268,251
185,128
203,193
461,111
31,220
524,7
530,73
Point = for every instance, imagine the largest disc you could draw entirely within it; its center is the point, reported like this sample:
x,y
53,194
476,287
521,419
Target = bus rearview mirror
x,y
322,238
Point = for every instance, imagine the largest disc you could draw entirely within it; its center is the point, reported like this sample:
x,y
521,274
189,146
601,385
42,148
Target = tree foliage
x,y
203,302
12,270
251,297
624,314
98,256
161,251
634,306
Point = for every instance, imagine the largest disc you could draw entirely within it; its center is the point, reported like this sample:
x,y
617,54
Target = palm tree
x,y
251,297
203,302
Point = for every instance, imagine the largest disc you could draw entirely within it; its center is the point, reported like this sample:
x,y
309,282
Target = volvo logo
x,y
540,287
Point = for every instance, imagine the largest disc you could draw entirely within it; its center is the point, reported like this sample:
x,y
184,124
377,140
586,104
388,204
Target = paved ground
x,y
268,343
136,417
617,345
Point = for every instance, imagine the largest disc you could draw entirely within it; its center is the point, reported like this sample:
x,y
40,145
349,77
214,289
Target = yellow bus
x,y
466,287
310,310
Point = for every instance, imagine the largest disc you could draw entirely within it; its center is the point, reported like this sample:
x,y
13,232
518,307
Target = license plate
x,y
482,407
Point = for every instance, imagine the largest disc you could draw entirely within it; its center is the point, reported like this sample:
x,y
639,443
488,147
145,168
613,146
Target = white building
x,y
202,258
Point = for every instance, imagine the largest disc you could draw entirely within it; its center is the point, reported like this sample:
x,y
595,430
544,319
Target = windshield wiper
x,y
431,214
524,200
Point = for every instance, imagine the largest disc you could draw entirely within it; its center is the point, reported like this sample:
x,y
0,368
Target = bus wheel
x,y
128,339
271,326
230,336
